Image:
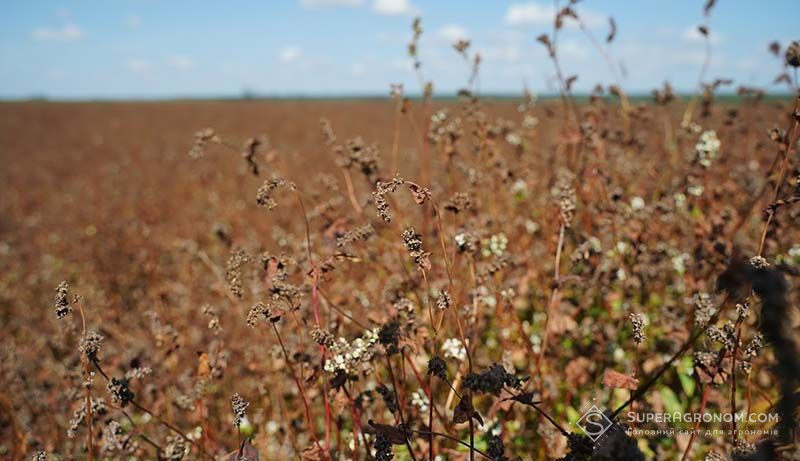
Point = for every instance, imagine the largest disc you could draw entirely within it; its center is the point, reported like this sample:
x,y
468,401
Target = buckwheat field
x,y
407,277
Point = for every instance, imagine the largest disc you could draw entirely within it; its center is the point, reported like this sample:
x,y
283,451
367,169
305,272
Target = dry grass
x,y
290,282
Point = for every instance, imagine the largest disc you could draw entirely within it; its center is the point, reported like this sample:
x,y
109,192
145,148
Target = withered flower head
x,y
759,263
566,197
638,328
379,196
437,367
383,448
389,336
413,243
459,202
264,194
176,448
492,380
63,307
233,272
389,398
239,407
793,54
461,46
358,234
120,391
90,345
445,301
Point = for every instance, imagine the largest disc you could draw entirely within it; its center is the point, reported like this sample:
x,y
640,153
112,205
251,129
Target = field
x,y
286,288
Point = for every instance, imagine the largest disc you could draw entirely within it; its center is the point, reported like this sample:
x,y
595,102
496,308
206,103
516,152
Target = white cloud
x,y
330,3
358,69
528,13
133,22
691,34
532,13
66,33
452,33
290,54
181,62
138,66
573,49
507,53
402,64
394,7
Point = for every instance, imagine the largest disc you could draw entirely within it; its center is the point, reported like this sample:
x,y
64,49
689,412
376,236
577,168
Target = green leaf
x,y
573,415
671,402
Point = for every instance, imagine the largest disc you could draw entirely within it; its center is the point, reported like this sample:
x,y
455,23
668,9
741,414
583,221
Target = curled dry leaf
x,y
464,411
618,380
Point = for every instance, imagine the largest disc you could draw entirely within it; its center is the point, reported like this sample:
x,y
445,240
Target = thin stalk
x,y
88,391
399,406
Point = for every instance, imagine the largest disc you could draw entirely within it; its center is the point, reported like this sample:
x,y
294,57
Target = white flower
x,y
529,121
496,245
420,400
514,139
453,348
520,187
697,191
637,203
707,148
679,262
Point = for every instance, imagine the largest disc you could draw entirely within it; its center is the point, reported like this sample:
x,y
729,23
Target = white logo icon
x,y
594,423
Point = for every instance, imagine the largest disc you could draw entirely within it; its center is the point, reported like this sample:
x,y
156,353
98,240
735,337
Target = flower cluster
x,y
239,407
63,307
413,243
352,357
706,150
638,328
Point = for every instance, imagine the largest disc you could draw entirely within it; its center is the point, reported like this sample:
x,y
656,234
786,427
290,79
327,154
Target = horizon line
x,y
255,96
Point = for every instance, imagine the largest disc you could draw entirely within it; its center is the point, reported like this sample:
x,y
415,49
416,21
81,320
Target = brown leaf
x,y
571,80
618,380
612,30
246,451
203,365
526,398
709,5
464,411
395,435
313,453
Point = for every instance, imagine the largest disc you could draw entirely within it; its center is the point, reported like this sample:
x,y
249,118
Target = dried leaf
x,y
464,411
612,30
203,365
246,451
709,5
618,380
526,398
395,435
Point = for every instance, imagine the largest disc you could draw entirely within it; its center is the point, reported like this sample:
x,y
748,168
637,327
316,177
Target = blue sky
x,y
154,49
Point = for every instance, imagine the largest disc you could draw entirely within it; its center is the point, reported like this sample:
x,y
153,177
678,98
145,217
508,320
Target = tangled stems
x,y
88,386
400,406
471,446
638,393
154,416
299,384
